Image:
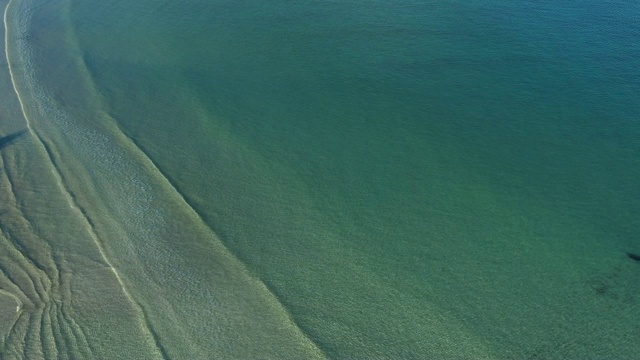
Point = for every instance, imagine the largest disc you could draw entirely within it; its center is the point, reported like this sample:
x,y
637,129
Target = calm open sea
x,y
402,179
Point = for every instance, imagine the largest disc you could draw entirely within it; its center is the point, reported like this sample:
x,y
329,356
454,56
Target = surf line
x,y
71,201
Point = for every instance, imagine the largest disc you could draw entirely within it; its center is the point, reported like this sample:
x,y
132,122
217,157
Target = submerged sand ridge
x,y
103,258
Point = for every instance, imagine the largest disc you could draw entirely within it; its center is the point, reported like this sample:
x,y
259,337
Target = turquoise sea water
x,y
393,180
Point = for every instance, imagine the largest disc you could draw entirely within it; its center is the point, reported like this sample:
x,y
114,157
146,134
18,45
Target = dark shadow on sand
x,y
7,140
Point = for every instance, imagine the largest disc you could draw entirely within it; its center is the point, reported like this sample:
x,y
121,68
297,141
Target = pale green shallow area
x,y
101,257
58,296
411,179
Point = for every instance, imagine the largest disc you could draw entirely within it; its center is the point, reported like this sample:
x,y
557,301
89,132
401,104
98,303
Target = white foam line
x,y
6,52
71,202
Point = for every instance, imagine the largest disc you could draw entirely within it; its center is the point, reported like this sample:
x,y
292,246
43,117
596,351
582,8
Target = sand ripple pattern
x,y
45,304
44,324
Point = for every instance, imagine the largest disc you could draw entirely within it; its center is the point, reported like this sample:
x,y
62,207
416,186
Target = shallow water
x,y
392,179
154,293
